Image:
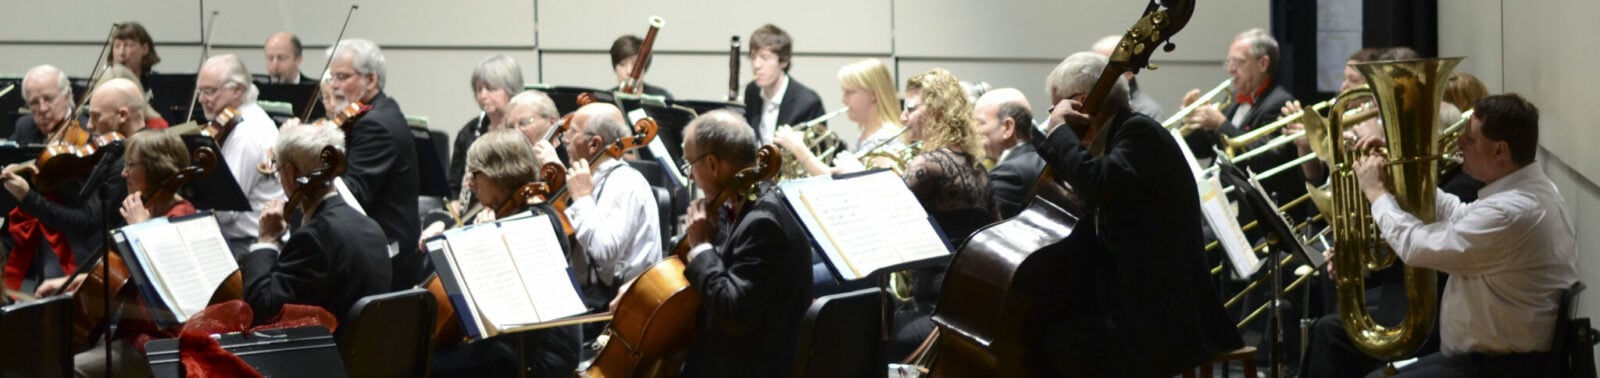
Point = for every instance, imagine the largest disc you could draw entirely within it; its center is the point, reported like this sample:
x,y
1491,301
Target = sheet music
x,y
539,259
490,276
163,251
872,222
210,251
1225,225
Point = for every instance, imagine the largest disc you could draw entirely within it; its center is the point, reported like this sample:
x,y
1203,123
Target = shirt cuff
x,y
697,250
1384,205
260,246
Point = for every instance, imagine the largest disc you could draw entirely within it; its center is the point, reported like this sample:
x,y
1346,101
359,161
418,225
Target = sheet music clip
x,y
217,190
1266,209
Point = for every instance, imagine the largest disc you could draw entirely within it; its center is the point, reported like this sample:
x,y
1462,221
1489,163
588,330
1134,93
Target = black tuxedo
x,y
800,104
1011,179
381,170
1285,186
332,261
755,286
1155,311
27,131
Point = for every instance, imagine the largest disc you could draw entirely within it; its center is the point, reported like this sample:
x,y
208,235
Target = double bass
x,y
654,319
999,282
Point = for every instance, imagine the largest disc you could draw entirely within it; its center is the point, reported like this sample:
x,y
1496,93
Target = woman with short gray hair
x,y
494,81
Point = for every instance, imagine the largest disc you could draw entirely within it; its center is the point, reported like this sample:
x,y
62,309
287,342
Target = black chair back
x,y
841,336
36,338
388,335
1573,346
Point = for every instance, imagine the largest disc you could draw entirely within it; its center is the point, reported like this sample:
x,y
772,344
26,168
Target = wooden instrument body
x,y
70,154
652,325
223,125
1009,274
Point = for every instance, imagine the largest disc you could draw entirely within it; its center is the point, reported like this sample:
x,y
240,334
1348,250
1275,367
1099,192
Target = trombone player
x,y
1510,254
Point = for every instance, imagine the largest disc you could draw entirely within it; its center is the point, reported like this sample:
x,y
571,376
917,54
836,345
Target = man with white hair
x,y
336,255
1141,102
224,83
49,97
613,211
1145,307
1004,120
381,157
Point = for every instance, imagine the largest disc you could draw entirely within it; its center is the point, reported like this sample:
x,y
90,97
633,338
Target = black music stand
x,y
296,95
217,190
565,97
172,96
1283,240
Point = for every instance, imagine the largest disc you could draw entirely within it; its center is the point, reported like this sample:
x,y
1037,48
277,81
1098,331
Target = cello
x,y
1000,281
109,277
654,318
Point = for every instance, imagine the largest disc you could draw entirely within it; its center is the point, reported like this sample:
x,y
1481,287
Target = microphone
x,y
102,170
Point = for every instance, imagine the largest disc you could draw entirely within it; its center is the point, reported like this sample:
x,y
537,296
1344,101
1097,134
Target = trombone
x,y
1176,120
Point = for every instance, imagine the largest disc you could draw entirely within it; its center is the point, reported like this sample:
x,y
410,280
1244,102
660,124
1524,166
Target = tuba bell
x,y
1408,95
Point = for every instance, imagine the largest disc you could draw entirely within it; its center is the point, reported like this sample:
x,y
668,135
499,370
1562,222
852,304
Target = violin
x,y
88,301
654,318
70,153
222,125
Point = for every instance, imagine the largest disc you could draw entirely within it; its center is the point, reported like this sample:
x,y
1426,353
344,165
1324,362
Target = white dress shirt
x,y
1509,255
617,227
769,110
245,148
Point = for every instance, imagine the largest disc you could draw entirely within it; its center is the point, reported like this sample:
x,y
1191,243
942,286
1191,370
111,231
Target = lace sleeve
x,y
946,180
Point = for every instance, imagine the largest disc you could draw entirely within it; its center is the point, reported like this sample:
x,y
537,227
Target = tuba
x,y
1408,95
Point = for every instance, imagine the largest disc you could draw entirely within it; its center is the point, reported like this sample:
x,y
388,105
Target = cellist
x,y
42,249
497,165
117,107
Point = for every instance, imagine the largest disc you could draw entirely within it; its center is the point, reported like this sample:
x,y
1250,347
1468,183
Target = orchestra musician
x,y
115,106
152,119
949,181
869,93
1510,254
625,54
494,81
613,211
498,163
533,113
774,98
1004,118
48,95
1154,311
131,46
335,257
381,158
751,267
224,83
1253,61
284,54
1141,102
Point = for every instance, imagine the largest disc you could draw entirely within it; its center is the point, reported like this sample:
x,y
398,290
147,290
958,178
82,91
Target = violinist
x,y
1139,301
755,283
497,165
335,257
52,224
224,83
381,163
533,113
613,211
49,97
152,119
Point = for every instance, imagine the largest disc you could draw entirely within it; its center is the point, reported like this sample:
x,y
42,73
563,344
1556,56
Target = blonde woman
x,y
869,93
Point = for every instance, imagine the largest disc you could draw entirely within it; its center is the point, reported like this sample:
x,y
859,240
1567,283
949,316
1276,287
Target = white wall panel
x,y
832,26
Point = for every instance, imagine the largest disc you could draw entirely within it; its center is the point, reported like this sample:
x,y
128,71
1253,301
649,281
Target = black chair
x,y
666,200
36,338
1573,346
841,336
388,335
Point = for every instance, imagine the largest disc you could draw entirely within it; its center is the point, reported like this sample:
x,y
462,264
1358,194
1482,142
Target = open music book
x,y
864,223
506,276
177,263
1221,216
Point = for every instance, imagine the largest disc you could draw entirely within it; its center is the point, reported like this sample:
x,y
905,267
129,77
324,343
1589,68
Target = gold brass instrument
x,y
1234,146
818,138
1176,120
1408,93
1447,142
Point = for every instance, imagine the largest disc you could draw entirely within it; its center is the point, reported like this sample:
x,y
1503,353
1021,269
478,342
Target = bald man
x,y
1141,102
1003,120
613,212
283,59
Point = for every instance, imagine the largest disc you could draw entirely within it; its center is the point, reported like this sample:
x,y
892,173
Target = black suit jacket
x,y
1011,179
381,170
1284,187
86,222
755,286
1159,313
800,104
331,261
27,131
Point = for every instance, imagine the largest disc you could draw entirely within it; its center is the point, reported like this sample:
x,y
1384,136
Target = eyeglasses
x,y
212,91
685,166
